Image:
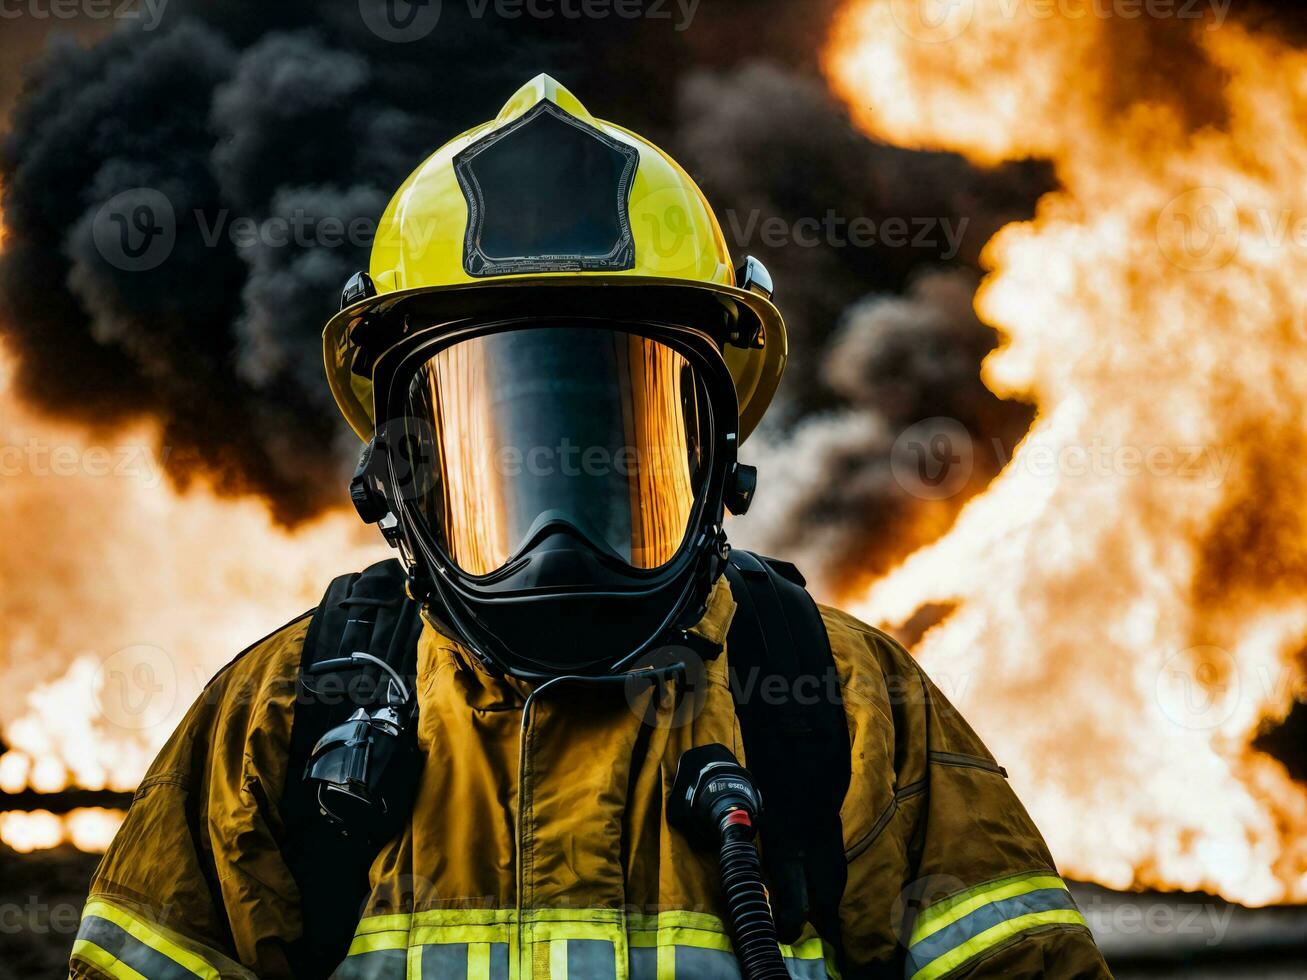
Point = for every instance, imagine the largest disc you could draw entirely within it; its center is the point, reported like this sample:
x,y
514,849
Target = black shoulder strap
x,y
796,739
367,611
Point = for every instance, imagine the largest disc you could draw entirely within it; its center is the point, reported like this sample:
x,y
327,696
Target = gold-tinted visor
x,y
526,435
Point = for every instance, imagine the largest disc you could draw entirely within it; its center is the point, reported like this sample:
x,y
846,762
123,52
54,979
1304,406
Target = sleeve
x,y
948,875
193,884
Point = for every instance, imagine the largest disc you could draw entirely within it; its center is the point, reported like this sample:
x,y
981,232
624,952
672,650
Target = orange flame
x,y
1128,595
86,828
120,597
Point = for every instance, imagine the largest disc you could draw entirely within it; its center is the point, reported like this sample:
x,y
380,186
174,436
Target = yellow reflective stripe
x,y
478,961
376,941
666,963
547,931
434,935
992,937
945,913
685,920
104,961
395,922
809,949
152,937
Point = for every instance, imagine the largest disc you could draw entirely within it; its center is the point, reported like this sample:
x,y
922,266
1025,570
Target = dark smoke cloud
x,y
293,126
881,336
255,120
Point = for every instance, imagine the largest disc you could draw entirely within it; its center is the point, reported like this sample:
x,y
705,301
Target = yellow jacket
x,y
538,848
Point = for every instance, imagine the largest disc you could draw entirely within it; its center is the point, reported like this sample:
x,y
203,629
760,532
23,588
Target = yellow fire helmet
x,y
612,223
553,365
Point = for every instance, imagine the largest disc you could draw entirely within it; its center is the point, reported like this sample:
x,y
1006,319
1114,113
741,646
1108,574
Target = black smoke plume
x,y
262,124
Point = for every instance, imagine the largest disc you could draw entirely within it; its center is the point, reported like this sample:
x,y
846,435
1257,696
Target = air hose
x,y
714,801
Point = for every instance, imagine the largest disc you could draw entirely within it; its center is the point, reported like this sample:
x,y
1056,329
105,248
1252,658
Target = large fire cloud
x,y
1128,596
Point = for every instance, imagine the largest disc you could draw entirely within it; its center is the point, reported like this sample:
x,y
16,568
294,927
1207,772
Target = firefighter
x,y
568,741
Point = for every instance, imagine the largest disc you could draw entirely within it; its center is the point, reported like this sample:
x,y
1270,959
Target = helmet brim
x,y
756,370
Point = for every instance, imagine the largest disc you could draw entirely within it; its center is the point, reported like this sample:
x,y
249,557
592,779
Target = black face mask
x,y
564,482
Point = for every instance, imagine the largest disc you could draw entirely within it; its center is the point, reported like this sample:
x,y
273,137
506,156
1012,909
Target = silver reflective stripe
x,y
591,959
127,949
499,961
705,964
805,969
925,951
380,964
643,961
446,961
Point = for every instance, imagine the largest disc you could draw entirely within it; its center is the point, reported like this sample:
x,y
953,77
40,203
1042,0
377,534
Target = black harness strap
x,y
796,739
367,611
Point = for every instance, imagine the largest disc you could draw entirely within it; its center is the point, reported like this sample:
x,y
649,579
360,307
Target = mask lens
x,y
520,435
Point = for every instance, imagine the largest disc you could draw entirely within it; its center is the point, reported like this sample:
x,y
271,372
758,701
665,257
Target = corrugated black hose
x,y
714,802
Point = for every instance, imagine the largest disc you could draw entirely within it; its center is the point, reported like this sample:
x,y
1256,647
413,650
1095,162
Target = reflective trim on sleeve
x,y
85,951
125,947
960,928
